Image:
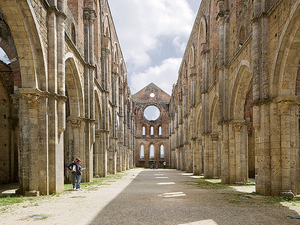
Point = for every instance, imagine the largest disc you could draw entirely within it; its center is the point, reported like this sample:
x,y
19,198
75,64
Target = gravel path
x,y
145,196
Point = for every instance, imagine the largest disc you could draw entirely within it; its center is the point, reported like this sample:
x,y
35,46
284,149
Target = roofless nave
x,y
233,114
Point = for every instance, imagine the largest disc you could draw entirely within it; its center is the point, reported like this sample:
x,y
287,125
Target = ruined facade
x,y
233,113
63,95
235,108
152,135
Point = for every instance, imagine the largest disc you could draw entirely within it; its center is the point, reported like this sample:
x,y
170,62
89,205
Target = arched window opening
x,y
73,34
162,152
151,151
143,130
151,130
159,130
142,153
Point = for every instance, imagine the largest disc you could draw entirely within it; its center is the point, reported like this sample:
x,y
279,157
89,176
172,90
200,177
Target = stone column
x,y
29,144
289,127
241,147
215,154
224,136
97,163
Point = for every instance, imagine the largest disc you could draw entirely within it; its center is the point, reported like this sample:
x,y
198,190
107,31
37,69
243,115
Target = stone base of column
x,y
32,193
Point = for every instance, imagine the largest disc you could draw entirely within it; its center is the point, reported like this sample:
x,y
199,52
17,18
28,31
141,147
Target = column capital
x,y
31,96
76,121
285,103
238,124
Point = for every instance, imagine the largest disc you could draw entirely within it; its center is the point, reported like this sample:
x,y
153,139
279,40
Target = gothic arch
x,y
287,56
106,32
202,31
239,90
192,57
24,28
74,87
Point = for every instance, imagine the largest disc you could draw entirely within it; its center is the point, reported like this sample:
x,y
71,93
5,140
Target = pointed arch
x,y
202,31
239,90
74,87
192,57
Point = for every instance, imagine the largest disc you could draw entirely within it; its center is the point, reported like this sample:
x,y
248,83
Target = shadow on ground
x,y
172,197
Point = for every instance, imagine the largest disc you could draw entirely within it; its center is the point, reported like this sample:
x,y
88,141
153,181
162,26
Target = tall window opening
x,y
143,130
142,153
151,151
151,130
159,130
162,152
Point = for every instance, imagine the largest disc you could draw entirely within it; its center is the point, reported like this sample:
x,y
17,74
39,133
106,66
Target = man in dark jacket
x,y
72,167
78,174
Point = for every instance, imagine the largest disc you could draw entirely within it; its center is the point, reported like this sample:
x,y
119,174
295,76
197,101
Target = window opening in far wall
x,y
144,131
151,151
142,153
162,152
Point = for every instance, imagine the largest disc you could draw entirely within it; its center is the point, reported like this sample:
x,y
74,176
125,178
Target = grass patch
x,y
11,199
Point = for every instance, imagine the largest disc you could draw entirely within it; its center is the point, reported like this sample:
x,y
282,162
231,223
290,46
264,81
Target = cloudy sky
x,y
153,35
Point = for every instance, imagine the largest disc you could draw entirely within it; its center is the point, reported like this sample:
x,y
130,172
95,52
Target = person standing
x,y
72,167
153,165
165,164
78,174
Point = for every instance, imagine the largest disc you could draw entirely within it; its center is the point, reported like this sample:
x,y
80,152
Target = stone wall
x,y
246,77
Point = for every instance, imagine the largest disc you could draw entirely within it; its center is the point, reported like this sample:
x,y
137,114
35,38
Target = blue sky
x,y
153,35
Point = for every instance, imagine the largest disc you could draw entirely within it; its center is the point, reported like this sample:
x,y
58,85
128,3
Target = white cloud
x,y
177,42
140,24
164,76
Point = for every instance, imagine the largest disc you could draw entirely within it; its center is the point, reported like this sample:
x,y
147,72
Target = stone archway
x,y
73,136
237,164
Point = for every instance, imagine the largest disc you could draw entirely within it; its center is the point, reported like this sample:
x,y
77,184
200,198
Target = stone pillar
x,y
224,136
97,163
241,147
31,127
289,127
216,157
103,153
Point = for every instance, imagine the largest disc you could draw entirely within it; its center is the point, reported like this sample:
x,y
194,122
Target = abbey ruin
x,y
233,113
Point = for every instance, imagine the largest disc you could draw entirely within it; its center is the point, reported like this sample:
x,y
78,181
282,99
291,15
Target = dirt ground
x,y
145,196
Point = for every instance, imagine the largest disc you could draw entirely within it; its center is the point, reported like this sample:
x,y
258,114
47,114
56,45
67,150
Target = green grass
x,y
11,199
